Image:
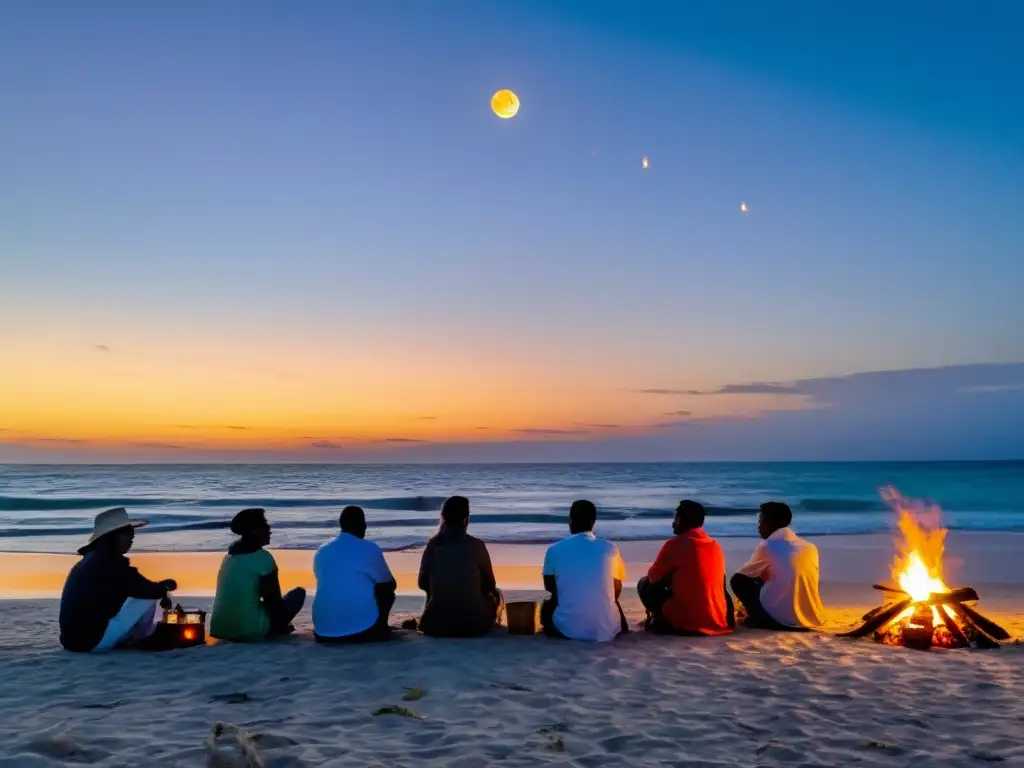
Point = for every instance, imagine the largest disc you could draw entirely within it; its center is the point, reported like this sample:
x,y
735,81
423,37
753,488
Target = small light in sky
x,y
645,163
743,208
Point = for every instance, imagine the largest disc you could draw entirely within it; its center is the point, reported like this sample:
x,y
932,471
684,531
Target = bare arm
x,y
551,586
270,592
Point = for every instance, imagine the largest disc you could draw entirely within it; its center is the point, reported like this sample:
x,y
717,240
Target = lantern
x,y
180,628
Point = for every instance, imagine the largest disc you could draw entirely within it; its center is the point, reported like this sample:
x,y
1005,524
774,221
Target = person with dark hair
x,y
584,575
106,603
249,606
355,590
456,574
778,586
684,591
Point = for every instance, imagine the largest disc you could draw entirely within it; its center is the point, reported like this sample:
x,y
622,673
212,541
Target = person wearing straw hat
x,y
106,603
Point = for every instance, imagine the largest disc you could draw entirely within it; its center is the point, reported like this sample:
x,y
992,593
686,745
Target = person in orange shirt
x,y
684,591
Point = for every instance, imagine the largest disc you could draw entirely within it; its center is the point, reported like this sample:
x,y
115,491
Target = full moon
x,y
505,103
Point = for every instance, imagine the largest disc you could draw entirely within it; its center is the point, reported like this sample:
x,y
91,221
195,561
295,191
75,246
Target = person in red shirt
x,y
684,591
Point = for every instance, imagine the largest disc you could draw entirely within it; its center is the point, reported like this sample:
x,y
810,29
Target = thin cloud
x,y
161,446
991,389
101,347
423,418
757,388
667,391
679,413
326,445
403,440
63,440
185,426
232,426
604,426
535,431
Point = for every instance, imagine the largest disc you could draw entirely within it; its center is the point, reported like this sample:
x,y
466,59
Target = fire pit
x,y
922,612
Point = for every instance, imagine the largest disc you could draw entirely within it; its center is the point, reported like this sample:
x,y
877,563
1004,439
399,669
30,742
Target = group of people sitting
x,y
107,603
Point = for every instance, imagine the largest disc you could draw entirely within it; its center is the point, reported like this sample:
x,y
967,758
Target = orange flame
x,y
917,566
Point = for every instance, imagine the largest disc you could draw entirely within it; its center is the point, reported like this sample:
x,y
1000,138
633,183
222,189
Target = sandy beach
x,y
753,698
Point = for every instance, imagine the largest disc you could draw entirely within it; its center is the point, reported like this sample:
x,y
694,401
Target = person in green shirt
x,y
249,606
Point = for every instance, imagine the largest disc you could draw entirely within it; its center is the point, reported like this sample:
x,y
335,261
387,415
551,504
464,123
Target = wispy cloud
x,y
185,426
404,440
423,418
992,389
63,440
232,426
160,446
681,414
604,426
751,388
326,445
756,388
667,391
537,431
101,348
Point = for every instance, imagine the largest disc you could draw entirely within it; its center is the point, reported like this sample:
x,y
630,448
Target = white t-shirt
x,y
584,568
789,567
347,569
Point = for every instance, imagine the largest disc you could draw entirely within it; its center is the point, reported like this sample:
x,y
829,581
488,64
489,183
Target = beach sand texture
x,y
753,698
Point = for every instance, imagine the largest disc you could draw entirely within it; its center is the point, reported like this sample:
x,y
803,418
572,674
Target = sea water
x,y
50,508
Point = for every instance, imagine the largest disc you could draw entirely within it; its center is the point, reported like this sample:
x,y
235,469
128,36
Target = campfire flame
x,y
923,612
917,567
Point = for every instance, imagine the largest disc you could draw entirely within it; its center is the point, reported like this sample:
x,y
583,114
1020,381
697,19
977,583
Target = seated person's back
x,y
779,584
585,570
456,574
348,570
693,565
249,606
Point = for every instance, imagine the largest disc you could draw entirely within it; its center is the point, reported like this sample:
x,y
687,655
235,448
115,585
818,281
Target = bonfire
x,y
919,610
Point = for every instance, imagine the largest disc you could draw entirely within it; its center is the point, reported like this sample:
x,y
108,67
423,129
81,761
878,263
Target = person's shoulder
x,y
370,547
559,545
264,559
607,545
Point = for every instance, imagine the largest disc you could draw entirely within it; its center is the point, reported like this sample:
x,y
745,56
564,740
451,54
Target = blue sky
x,y
324,195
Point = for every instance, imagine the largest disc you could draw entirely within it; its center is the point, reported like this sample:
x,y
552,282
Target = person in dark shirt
x,y
462,597
106,602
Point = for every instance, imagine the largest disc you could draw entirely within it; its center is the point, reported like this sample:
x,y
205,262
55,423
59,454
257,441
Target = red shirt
x,y
697,565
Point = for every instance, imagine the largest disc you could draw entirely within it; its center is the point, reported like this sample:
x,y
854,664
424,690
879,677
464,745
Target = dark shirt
x,y
456,574
94,592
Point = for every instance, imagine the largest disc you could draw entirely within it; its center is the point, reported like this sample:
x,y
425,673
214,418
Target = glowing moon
x,y
645,163
505,103
743,208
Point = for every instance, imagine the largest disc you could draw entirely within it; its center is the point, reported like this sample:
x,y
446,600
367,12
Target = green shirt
x,y
238,612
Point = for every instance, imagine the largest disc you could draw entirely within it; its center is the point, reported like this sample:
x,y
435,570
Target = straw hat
x,y
110,521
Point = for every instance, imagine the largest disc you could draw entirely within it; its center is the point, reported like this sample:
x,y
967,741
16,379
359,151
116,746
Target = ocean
x,y
50,508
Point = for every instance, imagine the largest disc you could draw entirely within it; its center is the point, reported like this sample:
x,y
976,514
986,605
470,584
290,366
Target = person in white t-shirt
x,y
354,586
584,575
779,584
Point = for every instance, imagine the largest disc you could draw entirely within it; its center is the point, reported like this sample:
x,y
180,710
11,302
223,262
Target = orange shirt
x,y
697,566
